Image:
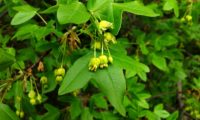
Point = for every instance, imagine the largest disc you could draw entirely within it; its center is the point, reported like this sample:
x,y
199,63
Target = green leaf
x,y
173,116
6,59
6,113
158,110
77,76
112,83
18,93
72,13
162,113
150,115
52,114
105,10
25,31
99,101
25,8
159,62
137,8
164,41
171,4
128,63
25,13
86,115
117,14
101,9
51,9
75,108
108,116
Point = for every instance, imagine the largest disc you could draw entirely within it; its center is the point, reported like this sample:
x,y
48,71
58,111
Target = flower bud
x,y
108,37
33,101
31,94
59,78
39,98
18,113
60,71
110,59
21,115
43,80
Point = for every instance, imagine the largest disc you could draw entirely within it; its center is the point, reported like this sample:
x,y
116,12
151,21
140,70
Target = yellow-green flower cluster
x,y
33,98
187,19
59,73
99,62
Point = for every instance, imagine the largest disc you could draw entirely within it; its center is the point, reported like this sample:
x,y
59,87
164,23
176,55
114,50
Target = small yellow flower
x,y
103,61
108,37
97,44
94,64
104,25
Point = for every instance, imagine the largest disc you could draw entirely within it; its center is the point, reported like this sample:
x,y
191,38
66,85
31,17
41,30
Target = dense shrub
x,y
99,59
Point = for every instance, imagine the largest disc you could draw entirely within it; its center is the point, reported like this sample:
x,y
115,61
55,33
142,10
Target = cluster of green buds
x,y
106,38
20,113
187,19
109,38
59,73
100,62
33,98
44,81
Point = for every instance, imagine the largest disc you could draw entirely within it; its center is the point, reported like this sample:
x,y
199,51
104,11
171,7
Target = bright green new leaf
x,y
158,110
117,17
171,4
159,62
112,83
6,59
24,14
72,13
101,9
137,8
6,113
77,76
